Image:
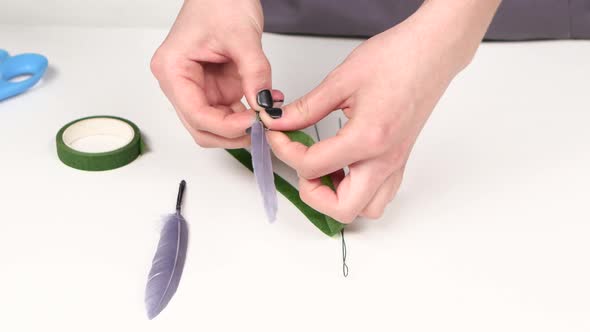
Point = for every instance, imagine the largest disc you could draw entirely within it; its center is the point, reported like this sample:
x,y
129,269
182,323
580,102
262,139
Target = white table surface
x,y
490,232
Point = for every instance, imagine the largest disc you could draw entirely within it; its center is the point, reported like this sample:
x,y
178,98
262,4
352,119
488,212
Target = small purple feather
x,y
262,163
168,261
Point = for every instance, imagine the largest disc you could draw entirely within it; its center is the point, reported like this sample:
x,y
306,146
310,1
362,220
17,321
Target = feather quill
x,y
262,164
168,262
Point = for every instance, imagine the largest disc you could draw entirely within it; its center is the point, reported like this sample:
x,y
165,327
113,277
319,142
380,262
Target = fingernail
x,y
274,113
248,130
278,103
264,98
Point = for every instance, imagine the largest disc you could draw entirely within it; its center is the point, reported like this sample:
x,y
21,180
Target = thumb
x,y
309,109
255,72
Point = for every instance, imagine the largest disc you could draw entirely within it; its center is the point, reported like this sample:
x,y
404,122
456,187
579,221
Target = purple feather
x,y
262,164
168,261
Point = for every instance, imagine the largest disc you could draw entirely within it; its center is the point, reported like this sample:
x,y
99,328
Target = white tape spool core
x,y
98,135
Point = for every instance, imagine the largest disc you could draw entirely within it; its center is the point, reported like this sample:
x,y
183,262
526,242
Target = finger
x,y
208,140
182,81
352,144
352,195
383,197
253,67
188,98
312,107
222,121
290,152
238,107
278,97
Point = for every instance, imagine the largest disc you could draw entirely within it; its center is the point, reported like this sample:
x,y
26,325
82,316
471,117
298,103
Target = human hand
x,y
211,58
387,88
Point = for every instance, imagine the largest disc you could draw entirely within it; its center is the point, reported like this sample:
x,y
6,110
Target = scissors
x,y
29,64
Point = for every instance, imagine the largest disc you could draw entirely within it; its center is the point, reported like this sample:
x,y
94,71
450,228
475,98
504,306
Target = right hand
x,y
211,58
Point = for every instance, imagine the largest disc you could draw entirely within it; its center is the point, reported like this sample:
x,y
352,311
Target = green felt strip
x,y
103,160
326,224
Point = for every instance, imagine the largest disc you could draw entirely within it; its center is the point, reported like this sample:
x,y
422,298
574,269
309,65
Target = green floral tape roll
x,y
99,143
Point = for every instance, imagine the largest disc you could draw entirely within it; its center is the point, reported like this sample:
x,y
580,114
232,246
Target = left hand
x,y
211,58
387,88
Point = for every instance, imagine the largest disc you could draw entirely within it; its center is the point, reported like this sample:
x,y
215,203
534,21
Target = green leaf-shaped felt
x,y
326,224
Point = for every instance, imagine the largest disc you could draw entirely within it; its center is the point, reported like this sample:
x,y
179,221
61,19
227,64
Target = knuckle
x,y
302,107
346,216
165,61
310,170
305,197
236,30
157,63
335,75
196,118
256,65
378,137
201,140
309,173
260,66
373,212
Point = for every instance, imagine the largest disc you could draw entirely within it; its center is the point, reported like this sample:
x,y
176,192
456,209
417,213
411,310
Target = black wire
x,y
344,266
317,133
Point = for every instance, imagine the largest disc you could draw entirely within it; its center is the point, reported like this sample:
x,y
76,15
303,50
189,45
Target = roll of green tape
x,y
128,147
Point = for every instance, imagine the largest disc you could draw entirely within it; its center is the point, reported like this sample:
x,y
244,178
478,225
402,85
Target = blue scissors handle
x,y
3,55
29,64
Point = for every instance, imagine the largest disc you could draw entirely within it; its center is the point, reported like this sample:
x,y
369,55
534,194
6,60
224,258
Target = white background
x,y
99,13
489,232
